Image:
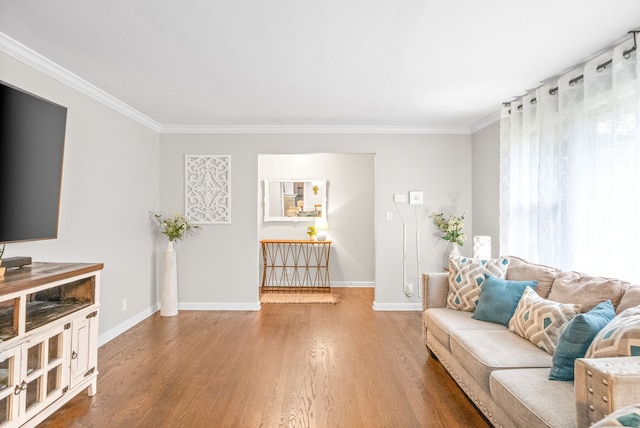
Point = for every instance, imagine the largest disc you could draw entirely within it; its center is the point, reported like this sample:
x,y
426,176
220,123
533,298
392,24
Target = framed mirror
x,y
294,199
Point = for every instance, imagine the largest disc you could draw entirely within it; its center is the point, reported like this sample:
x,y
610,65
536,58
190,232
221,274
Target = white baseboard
x,y
107,336
397,306
214,306
353,284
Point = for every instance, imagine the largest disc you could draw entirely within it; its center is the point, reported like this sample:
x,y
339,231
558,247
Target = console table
x,y
295,265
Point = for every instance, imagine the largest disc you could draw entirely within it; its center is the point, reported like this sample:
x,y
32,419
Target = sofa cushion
x,y
587,291
540,320
620,338
628,416
630,298
576,338
499,299
532,399
441,322
523,270
466,276
482,351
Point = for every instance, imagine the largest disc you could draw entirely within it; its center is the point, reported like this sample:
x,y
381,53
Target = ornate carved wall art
x,y
207,189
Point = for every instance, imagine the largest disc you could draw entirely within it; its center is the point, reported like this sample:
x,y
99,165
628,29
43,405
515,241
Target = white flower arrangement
x,y
451,227
176,227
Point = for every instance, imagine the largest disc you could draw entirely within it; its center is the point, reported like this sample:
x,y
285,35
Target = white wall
x,y
350,209
110,182
485,152
220,267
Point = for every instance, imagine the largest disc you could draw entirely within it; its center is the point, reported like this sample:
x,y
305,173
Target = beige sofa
x,y
507,376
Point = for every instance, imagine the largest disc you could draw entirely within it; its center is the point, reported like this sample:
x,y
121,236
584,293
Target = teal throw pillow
x,y
576,338
499,299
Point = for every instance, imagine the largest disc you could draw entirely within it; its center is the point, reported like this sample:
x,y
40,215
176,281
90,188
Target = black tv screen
x,y
32,133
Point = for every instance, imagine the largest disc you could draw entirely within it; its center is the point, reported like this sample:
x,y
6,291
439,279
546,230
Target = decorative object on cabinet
x,y
49,338
208,189
294,199
174,228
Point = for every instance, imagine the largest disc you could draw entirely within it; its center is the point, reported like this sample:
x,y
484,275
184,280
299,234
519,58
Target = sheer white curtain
x,y
570,170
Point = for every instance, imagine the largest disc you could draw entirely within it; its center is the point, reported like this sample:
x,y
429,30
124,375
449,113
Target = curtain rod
x,y
625,54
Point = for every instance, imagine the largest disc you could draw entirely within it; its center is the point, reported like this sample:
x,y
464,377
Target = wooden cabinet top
x,y
293,241
37,274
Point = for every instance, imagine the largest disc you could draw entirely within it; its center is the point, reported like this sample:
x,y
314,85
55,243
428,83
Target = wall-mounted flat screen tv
x,y
32,134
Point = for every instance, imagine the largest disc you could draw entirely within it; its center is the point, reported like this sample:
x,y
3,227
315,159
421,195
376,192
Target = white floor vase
x,y
169,291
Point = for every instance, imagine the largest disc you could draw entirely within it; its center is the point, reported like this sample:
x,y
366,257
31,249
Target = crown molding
x,y
483,123
312,129
22,53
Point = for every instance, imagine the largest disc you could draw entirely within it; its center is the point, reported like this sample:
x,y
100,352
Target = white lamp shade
x,y
321,228
482,247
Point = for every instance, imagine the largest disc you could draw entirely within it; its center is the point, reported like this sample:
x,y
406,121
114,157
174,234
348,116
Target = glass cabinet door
x,y
9,375
43,370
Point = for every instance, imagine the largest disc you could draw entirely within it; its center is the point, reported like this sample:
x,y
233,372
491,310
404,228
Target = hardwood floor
x,y
288,365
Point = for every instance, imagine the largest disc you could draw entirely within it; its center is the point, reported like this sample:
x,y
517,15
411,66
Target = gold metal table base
x,y
295,265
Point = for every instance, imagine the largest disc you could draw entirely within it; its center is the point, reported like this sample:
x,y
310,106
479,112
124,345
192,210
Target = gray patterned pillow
x,y
625,417
540,320
466,277
620,338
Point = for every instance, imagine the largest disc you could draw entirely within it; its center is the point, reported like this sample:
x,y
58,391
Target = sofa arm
x,y
435,287
603,385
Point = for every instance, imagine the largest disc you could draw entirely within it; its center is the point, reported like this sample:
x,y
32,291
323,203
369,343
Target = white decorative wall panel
x,y
207,189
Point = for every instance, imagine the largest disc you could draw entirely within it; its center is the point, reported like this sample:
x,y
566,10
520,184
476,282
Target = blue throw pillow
x,y
576,338
499,299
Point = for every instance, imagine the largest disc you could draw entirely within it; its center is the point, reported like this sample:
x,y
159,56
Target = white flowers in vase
x,y
451,227
176,227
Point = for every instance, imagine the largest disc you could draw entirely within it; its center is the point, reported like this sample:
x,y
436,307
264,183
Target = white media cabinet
x,y
48,338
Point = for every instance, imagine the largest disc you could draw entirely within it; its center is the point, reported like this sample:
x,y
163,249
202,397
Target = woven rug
x,y
299,298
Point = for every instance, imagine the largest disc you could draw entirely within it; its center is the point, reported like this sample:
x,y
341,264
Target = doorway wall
x,y
350,209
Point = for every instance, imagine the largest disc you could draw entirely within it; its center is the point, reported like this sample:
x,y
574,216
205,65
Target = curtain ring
x,y
627,54
575,80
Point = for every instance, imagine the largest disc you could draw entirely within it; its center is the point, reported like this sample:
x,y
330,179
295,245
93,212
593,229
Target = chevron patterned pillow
x,y
540,320
620,338
466,277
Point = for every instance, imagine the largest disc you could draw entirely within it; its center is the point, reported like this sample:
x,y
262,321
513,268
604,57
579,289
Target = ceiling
x,y
429,64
